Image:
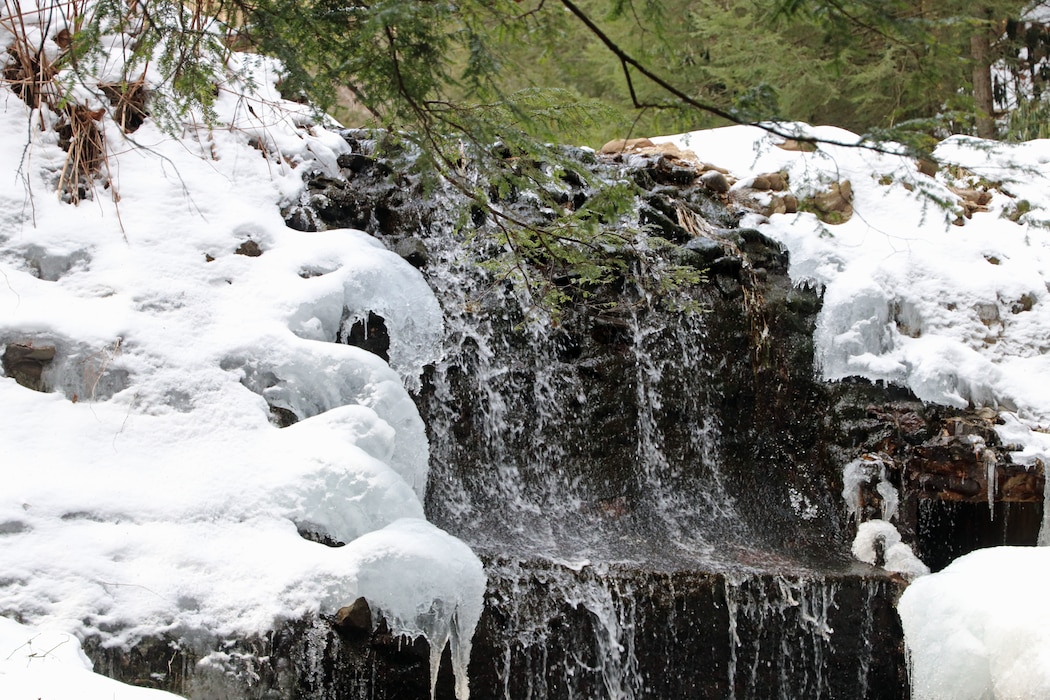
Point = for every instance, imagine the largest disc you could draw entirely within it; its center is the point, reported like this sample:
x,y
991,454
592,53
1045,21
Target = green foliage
x,y
502,79
1029,120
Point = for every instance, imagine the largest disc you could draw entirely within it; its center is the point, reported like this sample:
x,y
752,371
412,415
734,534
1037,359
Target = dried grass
x,y
81,137
129,103
32,76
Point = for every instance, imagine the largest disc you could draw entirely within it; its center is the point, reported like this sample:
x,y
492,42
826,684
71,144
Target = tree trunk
x,y
980,53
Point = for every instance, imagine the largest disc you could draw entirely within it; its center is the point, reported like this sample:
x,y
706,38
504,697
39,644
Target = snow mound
x,y
49,665
976,630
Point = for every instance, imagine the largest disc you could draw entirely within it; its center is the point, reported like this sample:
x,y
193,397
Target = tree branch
x,y
627,61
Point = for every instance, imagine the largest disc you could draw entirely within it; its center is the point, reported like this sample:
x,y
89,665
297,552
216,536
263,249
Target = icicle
x,y
989,464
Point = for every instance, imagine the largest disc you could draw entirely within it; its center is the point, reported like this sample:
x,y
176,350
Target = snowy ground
x,y
958,314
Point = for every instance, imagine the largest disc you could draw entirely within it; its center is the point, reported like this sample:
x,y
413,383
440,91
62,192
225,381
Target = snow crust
x,y
979,628
148,492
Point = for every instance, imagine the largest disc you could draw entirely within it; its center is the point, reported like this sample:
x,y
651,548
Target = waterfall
x,y
650,488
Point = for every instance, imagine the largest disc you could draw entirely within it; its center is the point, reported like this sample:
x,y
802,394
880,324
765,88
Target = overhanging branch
x,y
627,62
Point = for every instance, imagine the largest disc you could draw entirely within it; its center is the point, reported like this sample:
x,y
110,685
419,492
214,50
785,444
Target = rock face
x,y
959,490
647,487
657,493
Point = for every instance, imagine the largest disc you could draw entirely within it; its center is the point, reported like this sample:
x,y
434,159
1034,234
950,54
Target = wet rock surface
x,y
648,487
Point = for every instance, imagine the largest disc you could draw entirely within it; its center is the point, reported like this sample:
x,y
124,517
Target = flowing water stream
x,y
652,490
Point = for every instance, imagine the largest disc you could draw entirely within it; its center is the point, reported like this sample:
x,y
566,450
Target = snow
x,y
980,628
50,665
958,314
149,493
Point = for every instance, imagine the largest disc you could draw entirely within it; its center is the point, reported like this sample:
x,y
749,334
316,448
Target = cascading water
x,y
651,490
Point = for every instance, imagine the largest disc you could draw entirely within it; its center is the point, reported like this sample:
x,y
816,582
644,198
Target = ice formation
x,y
147,491
866,470
878,543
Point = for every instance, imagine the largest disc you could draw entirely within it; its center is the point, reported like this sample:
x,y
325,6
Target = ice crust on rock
x,y
866,470
452,578
169,504
879,539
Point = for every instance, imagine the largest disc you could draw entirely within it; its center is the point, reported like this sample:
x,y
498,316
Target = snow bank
x,y
980,628
49,665
148,492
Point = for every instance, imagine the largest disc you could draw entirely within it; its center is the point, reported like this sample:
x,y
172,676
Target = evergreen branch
x,y
626,60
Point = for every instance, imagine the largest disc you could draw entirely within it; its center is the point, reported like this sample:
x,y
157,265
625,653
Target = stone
x,y
715,181
797,145
977,197
645,147
249,248
778,182
25,363
761,183
927,167
355,618
626,145
834,205
705,249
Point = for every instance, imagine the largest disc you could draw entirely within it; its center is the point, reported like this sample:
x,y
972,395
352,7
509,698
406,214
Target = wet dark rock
x,y
282,417
305,659
660,224
316,534
413,250
656,635
369,334
702,251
